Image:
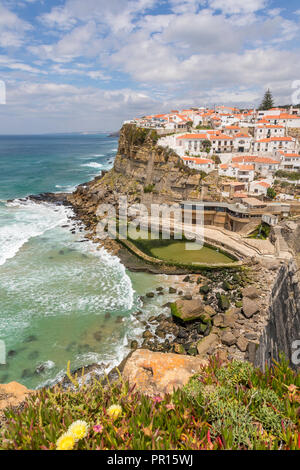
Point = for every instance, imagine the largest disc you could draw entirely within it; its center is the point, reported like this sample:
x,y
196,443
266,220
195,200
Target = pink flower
x,y
157,399
170,407
98,428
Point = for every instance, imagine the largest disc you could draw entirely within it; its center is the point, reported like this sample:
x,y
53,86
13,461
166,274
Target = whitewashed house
x,y
203,164
265,131
269,145
259,188
239,171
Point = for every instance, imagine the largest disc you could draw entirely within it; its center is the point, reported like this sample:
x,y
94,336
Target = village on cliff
x,y
256,150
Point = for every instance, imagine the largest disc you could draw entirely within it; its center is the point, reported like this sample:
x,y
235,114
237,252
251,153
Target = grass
x,y
231,407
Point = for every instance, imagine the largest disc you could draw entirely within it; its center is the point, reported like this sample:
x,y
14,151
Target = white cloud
x,y
237,6
12,28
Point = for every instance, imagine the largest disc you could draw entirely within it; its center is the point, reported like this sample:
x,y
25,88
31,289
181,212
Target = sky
x,y
88,65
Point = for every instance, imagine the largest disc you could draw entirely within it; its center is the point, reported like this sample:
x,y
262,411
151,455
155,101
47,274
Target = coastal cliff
x,y
143,171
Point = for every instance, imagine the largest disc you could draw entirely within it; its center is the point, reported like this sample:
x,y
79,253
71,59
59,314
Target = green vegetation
x,y
200,127
225,407
206,145
290,175
267,102
216,159
262,232
271,193
149,189
138,136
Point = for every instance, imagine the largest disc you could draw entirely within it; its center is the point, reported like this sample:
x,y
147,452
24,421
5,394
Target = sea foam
x,y
25,221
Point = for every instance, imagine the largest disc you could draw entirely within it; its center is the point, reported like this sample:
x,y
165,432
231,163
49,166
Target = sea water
x,y
61,298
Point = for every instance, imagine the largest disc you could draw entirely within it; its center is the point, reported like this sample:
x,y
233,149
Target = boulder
x,y
178,348
12,395
251,292
230,318
242,344
150,295
134,345
204,290
250,307
205,344
147,335
219,321
155,373
172,290
224,302
188,297
228,339
188,310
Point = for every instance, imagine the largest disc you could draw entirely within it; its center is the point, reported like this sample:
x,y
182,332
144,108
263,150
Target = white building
x,y
269,145
265,131
259,188
203,164
239,171
290,162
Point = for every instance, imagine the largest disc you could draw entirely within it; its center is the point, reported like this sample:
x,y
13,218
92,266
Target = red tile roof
x,y
199,161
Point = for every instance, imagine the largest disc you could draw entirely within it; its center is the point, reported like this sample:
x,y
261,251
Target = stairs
x,y
249,228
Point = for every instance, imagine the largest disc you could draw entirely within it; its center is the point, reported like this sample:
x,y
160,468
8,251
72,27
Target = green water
x,y
63,300
178,253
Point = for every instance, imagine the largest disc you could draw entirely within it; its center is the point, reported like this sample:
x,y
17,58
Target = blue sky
x,y
72,65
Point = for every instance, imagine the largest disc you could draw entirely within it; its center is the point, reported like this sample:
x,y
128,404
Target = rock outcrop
x,y
155,373
143,171
12,395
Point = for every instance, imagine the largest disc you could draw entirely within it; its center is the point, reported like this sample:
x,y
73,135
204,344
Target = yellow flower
x,y
114,411
66,442
79,429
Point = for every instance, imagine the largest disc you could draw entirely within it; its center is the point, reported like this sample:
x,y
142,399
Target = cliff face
x,y
284,318
143,171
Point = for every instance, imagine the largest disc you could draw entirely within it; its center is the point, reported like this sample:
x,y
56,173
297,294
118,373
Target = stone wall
x,y
283,327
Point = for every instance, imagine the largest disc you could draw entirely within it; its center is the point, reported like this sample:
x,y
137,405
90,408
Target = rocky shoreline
x,y
232,305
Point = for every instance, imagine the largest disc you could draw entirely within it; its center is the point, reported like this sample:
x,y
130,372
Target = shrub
x,y
149,188
223,407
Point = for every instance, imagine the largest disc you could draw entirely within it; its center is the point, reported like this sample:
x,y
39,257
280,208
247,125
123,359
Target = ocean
x,y
61,299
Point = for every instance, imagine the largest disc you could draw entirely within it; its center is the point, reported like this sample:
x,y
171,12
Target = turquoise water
x,y
60,298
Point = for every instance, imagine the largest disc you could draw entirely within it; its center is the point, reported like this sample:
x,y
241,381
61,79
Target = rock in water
x,y
189,310
158,373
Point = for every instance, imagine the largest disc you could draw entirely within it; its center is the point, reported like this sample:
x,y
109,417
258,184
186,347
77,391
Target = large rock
x,y
242,343
228,338
205,344
158,373
12,395
251,292
190,310
250,307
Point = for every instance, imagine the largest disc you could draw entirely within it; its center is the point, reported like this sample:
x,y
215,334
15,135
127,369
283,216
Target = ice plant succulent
x,y
79,429
98,428
114,411
66,442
